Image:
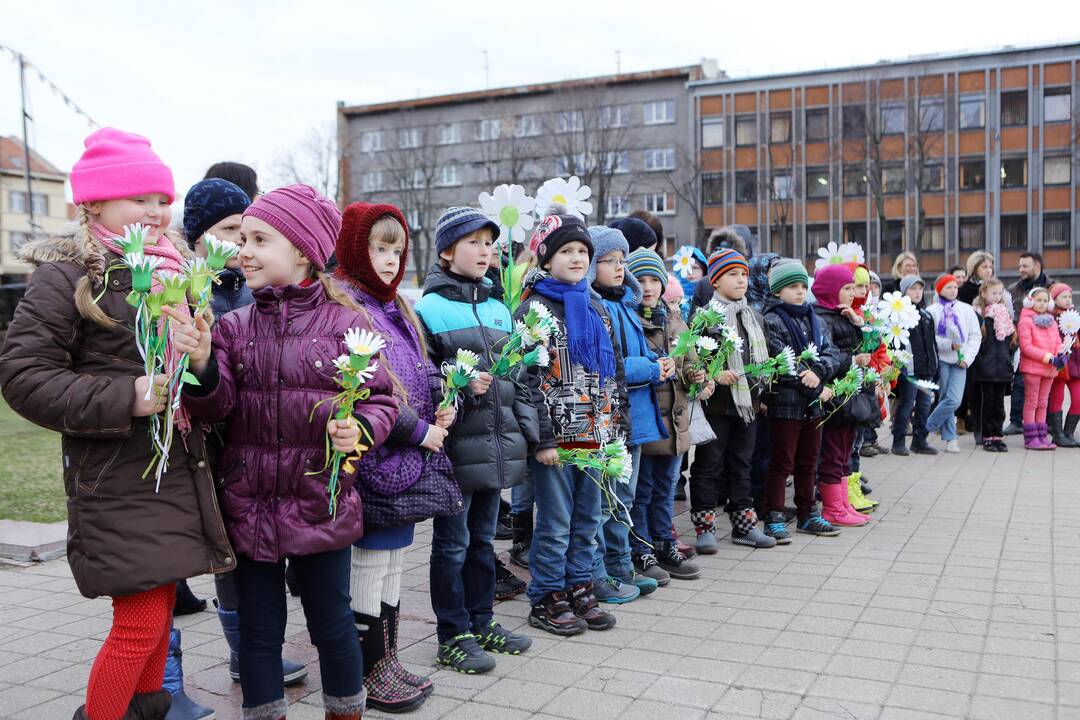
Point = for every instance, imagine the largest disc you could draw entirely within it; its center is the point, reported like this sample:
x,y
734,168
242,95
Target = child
x,y
488,445
1068,377
1040,343
991,373
834,290
721,468
794,403
579,403
272,362
922,345
216,207
411,479
70,364
958,334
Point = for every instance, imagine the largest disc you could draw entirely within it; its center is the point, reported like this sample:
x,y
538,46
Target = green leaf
x,y
189,379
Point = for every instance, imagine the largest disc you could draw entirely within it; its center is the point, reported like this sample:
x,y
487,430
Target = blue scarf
x,y
799,338
587,337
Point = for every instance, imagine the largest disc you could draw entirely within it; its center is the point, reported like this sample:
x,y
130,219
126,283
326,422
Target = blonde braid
x,y
94,261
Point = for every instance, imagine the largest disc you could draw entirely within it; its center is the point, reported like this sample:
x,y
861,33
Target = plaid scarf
x,y
739,313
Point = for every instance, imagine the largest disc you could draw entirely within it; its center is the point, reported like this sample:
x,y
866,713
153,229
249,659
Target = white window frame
x,y
371,141
783,186
419,179
656,112
617,162
372,181
17,202
448,134
409,138
562,164
412,217
617,205
960,114
1054,92
569,121
659,159
527,126
707,138
1054,163
621,117
450,175
660,203
488,129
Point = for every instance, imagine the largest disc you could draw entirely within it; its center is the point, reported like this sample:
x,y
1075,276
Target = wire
x,y
16,56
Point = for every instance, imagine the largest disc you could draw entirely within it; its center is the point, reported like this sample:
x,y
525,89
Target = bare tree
x,y
686,181
313,161
780,185
507,148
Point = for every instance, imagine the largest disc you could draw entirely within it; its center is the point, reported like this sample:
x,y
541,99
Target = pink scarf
x,y
1003,323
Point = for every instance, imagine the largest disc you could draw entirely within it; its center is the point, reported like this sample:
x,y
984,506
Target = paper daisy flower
x,y
133,239
733,337
810,354
571,194
342,363
787,361
1069,322
511,209
363,342
142,270
174,287
219,252
466,359
895,334
683,261
833,254
926,386
707,344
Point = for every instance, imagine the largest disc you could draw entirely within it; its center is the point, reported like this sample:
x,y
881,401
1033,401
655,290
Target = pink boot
x,y
835,506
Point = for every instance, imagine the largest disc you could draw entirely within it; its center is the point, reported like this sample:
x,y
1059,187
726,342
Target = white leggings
x,y
375,578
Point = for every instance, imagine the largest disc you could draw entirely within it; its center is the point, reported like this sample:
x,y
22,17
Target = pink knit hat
x,y
673,291
306,218
1058,288
118,164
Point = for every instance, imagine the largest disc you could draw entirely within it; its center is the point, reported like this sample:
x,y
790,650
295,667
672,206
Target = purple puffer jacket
x,y
400,482
272,361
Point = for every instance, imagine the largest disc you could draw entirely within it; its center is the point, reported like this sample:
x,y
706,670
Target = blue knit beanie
x,y
208,202
457,222
605,241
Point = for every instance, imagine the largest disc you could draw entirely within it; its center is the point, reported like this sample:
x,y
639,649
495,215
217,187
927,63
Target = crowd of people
x,y
245,493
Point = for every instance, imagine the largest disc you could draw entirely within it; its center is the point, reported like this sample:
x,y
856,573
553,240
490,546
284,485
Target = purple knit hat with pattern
x,y
310,221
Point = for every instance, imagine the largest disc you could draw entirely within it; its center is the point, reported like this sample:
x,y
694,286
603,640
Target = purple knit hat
x,y
310,221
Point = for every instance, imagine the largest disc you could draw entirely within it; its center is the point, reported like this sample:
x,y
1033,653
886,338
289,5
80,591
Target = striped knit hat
x,y
646,262
723,260
787,272
457,222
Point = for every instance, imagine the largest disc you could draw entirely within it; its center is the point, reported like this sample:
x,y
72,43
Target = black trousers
x,y
990,398
720,473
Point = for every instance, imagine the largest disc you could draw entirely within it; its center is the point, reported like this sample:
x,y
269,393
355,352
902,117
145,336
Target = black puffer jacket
x,y
846,338
994,361
923,346
788,398
490,441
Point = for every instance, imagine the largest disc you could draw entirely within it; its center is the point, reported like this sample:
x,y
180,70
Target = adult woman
x,y
980,268
905,264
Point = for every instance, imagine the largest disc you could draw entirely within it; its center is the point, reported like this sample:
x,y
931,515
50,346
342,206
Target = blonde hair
x,y
389,231
94,261
906,255
980,301
976,259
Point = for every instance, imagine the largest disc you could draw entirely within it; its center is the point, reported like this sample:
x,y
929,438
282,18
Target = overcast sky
x,y
210,81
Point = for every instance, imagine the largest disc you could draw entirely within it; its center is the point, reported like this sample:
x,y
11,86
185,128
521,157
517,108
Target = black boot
x,y
149,706
1057,432
1070,426
186,602
386,691
522,526
507,584
503,529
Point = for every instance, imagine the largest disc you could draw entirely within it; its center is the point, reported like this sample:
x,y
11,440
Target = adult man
x,y
1031,276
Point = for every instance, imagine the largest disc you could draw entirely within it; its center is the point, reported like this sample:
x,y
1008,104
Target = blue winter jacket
x,y
231,294
640,367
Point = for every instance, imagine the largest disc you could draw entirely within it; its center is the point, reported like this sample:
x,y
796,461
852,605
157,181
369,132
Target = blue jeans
x,y
463,565
324,592
910,398
521,496
567,518
653,502
952,379
613,536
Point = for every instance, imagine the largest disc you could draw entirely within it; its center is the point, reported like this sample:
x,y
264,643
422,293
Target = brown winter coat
x,y
70,375
671,396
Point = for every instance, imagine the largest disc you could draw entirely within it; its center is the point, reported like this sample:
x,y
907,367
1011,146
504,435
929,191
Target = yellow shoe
x,y
860,502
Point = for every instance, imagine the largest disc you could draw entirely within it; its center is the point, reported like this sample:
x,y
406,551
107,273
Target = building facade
x,y
627,136
941,156
48,203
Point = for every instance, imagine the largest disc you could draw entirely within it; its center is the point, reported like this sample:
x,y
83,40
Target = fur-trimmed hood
x,y
69,245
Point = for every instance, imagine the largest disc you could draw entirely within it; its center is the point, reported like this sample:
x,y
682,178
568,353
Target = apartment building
x,y
48,202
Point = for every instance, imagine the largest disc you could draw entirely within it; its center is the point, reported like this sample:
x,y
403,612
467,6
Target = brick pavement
x,y
961,599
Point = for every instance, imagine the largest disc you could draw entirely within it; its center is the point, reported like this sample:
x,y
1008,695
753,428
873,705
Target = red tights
x,y
132,660
1057,395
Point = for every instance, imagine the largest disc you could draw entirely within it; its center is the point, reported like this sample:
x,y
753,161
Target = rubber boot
x,y
385,690
856,498
1071,422
835,507
1057,431
1044,436
183,707
392,616
293,672
522,526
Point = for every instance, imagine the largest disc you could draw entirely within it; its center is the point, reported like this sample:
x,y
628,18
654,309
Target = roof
x,y
689,73
12,159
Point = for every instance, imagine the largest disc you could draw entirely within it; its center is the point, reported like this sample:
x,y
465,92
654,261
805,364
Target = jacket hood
x,y
69,245
440,281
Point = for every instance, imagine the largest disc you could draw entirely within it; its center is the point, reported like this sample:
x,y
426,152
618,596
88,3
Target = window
x,y
746,187
660,203
1057,170
527,126
816,236
372,182
746,130
448,134
1014,172
893,119
932,177
18,239
972,112
659,112
973,174
783,240
780,128
570,164
617,162
1014,107
855,232
932,236
817,125
617,205
410,138
1057,104
712,132
419,179
569,121
488,129
854,181
893,179
712,188
371,142
893,242
614,116
412,217
781,186
817,182
931,115
450,175
660,159
854,122
17,201
1056,230
972,234
1013,232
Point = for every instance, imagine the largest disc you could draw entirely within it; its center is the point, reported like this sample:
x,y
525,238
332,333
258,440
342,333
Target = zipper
x,y
494,382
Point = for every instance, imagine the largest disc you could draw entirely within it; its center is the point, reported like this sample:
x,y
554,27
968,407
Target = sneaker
x,y
645,584
817,525
868,451
646,565
464,655
952,446
675,563
497,639
744,530
881,449
507,584
1001,446
776,528
586,608
990,445
923,449
554,614
610,590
